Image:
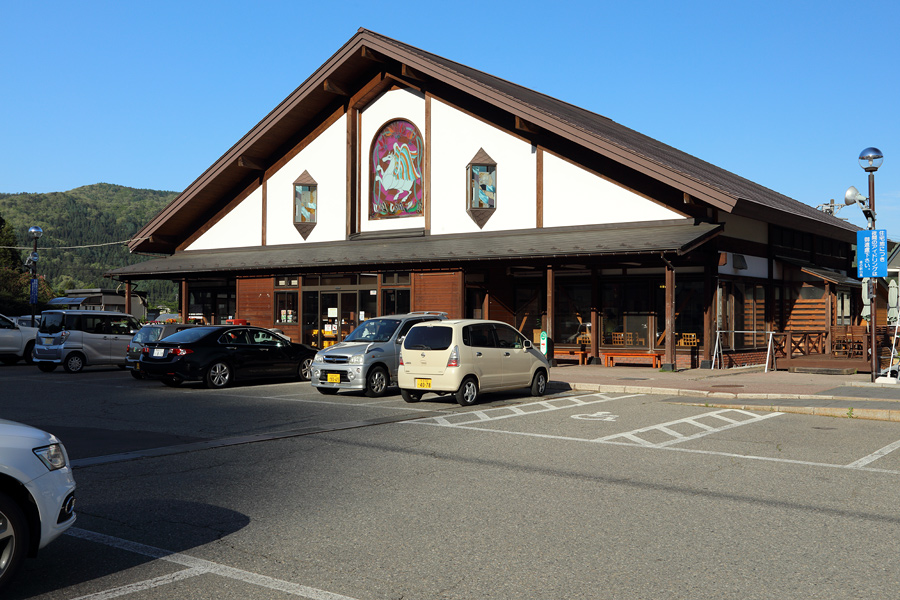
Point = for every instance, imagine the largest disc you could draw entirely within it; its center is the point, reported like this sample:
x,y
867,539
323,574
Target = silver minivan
x,y
77,338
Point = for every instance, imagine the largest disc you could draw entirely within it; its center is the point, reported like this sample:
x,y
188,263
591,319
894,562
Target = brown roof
x,y
349,67
675,237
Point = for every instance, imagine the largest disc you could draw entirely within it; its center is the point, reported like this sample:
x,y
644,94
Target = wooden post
x,y
595,315
669,362
128,297
185,301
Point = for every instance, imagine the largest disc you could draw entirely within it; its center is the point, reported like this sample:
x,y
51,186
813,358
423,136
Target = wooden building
x,y
393,179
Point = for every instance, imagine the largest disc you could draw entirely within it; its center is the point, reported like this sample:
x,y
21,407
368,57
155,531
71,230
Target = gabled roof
x,y
675,237
367,53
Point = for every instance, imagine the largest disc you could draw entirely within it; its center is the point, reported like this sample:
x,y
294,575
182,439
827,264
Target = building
x,y
393,179
104,299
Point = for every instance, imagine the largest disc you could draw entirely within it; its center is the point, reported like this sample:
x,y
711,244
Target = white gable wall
x,y
455,139
326,160
574,196
242,227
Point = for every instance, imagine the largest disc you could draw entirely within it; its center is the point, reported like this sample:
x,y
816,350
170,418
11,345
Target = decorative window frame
x,y
480,165
396,171
305,225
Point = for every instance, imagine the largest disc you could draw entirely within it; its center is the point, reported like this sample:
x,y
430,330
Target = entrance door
x,y
337,316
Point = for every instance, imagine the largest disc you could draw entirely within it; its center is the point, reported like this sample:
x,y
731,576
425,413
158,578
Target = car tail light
x,y
64,335
180,351
401,360
453,361
145,350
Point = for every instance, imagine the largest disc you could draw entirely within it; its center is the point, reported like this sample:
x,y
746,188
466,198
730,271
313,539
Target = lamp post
x,y
35,232
869,159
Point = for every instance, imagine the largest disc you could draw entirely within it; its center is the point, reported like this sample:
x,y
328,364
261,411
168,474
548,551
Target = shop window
x,y
742,316
286,308
395,302
305,204
572,310
396,182
393,278
481,192
630,312
289,281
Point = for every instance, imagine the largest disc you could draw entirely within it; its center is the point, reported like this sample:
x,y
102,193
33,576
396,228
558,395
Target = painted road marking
x,y
875,455
195,567
732,418
597,416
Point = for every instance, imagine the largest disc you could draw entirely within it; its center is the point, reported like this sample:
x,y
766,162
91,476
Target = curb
x,y
845,412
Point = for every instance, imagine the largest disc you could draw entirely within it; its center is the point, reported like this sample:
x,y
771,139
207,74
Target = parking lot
x,y
273,490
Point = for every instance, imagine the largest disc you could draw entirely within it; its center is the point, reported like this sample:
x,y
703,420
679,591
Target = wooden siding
x,y
439,291
256,301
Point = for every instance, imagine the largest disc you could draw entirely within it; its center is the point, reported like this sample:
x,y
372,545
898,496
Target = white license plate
x,y
159,352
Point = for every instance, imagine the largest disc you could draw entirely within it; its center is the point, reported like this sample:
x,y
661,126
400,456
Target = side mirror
x,y
528,345
400,339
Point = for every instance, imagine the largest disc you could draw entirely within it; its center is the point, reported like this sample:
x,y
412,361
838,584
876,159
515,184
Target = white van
x,y
77,338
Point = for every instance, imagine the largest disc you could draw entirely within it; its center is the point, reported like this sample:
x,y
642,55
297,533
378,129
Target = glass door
x,y
348,314
328,318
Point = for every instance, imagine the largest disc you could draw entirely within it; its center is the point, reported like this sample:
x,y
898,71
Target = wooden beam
x,y
370,54
411,73
523,125
332,86
251,162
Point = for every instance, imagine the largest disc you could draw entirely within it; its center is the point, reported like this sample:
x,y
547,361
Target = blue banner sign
x,y
871,253
34,288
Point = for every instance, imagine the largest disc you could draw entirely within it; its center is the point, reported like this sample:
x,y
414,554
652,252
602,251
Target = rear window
x,y
186,336
147,334
54,322
433,337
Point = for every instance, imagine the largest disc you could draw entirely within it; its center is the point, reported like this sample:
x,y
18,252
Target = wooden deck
x,y
823,361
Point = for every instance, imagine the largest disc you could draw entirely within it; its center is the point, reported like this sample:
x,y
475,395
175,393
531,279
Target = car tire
x,y
377,382
539,383
304,371
327,391
218,375
15,538
74,363
467,394
172,381
410,396
46,367
137,374
28,355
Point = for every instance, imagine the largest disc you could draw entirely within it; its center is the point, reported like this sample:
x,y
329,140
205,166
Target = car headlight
x,y
52,456
317,357
357,359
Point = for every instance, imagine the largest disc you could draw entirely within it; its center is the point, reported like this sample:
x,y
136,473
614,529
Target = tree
x,y
9,257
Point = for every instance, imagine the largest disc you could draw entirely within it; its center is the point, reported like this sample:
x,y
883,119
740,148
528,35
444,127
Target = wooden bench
x,y
610,357
571,354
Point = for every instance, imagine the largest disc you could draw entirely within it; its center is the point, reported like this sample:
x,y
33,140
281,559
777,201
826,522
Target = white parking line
x,y
195,566
875,455
142,586
677,437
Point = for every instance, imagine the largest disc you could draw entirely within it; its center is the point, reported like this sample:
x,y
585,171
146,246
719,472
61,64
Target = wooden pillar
x,y
185,301
128,297
710,269
595,314
551,316
669,361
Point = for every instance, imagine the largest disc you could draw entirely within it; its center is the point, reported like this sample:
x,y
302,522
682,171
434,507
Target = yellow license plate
x,y
334,378
423,384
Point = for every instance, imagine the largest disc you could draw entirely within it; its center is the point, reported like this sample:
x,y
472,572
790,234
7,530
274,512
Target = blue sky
x,y
149,95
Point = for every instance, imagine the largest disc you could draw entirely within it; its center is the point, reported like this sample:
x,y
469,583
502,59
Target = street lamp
x,y
35,232
869,159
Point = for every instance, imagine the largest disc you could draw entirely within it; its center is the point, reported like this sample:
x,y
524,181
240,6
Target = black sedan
x,y
221,355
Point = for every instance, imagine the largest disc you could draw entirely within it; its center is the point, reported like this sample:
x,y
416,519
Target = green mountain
x,y
91,216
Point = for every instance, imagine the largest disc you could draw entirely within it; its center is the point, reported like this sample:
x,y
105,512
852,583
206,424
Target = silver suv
x,y
76,338
367,359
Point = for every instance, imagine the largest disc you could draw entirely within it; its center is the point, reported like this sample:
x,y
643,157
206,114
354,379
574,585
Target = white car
x,y
16,341
37,494
466,357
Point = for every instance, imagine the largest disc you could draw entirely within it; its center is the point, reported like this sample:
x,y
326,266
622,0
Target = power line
x,y
46,248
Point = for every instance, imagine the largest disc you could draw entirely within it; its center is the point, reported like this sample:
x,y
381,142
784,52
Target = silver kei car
x,y
367,359
37,494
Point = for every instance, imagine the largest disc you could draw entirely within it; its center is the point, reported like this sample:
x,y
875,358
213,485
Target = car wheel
x,y
14,538
74,363
539,383
136,374
172,381
327,391
409,396
218,375
29,353
467,393
304,371
376,382
46,367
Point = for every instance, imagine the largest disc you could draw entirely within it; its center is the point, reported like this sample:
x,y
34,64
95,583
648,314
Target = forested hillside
x,y
88,216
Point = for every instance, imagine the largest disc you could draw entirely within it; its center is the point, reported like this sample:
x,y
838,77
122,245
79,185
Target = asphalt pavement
x,y
750,388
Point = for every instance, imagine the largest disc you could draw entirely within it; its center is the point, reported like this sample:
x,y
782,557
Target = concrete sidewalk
x,y
848,396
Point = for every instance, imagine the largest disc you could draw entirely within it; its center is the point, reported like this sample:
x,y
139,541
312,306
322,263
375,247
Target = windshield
x,y
374,330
